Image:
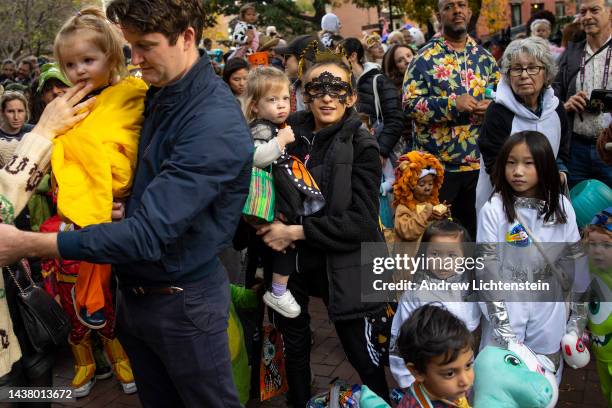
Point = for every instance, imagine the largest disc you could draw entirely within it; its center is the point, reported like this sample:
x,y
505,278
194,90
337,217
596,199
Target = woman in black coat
x,y
343,159
391,113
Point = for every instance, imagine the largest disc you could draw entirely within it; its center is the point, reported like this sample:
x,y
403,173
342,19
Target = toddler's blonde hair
x,y
260,81
105,36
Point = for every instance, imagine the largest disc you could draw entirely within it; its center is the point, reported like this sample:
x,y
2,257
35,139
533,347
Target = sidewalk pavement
x,y
579,389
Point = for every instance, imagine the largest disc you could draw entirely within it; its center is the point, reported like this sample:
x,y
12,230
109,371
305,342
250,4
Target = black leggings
x,y
297,338
284,263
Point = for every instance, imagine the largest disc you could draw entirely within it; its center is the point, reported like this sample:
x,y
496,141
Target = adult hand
x,y
64,112
466,103
576,103
118,212
481,107
10,238
563,178
276,235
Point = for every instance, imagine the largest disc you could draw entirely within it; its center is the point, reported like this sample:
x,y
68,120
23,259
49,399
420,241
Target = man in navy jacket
x,y
191,181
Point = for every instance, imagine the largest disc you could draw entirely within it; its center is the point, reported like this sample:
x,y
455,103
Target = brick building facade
x,y
520,11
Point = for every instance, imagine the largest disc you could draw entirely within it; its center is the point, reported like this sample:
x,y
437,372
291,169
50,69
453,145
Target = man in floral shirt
x,y
444,92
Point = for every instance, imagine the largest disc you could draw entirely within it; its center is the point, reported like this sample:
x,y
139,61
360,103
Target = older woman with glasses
x,y
524,101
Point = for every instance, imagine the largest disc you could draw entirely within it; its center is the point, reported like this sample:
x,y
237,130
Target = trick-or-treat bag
x,y
259,205
272,377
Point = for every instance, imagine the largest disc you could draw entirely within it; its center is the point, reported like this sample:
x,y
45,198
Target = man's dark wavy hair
x,y
168,17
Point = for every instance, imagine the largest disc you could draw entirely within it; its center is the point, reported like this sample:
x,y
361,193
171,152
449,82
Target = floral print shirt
x,y
432,83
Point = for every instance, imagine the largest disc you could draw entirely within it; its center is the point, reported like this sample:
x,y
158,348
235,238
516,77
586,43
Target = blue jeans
x,y
178,344
585,164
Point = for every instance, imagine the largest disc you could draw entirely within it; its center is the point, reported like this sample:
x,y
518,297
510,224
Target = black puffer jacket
x,y
390,103
344,160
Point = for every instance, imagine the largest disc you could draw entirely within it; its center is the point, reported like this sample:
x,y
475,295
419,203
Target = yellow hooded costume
x,y
93,163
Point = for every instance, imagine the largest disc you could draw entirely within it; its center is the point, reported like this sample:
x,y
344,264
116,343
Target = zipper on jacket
x,y
310,146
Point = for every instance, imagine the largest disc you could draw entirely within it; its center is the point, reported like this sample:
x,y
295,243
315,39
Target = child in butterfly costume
x,y
267,106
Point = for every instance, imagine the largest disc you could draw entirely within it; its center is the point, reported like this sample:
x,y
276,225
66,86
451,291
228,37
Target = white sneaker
x,y
129,388
284,304
84,389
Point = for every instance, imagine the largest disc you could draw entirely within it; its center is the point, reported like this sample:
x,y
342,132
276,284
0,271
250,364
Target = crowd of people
x,y
165,195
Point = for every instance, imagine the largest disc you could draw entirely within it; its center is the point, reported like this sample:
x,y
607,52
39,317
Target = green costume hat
x,y
51,71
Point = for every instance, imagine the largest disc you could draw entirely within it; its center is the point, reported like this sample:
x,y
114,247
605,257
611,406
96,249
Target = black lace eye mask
x,y
327,84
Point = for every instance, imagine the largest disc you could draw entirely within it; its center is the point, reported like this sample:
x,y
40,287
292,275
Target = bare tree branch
x,y
29,26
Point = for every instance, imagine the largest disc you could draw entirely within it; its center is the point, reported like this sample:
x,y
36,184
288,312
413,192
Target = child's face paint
x,y
422,191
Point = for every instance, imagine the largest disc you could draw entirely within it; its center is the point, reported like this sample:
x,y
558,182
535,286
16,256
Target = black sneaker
x,y
103,367
103,372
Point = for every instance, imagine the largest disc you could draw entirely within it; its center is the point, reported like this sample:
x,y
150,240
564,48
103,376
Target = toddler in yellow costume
x,y
93,163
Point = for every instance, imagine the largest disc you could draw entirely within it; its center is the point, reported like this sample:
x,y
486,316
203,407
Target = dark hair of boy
x,y
352,45
170,18
447,228
549,183
432,331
